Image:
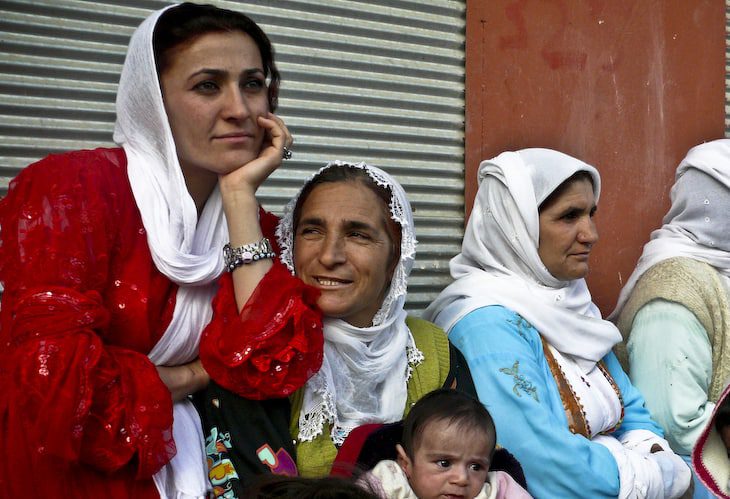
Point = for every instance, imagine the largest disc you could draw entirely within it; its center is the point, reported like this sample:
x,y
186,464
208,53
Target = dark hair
x,y
448,405
187,21
277,486
342,173
722,416
559,190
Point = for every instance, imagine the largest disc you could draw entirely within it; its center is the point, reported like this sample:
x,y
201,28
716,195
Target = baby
x,y
447,446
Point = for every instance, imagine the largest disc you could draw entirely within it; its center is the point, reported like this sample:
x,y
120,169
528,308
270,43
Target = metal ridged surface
x,y
727,68
379,81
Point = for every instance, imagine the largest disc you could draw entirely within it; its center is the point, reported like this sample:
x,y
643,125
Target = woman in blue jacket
x,y
539,351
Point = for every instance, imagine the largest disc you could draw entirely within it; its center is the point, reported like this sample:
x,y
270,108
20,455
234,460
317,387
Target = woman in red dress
x,y
113,265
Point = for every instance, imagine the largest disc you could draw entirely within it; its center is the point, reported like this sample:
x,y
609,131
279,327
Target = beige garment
x,y
696,286
388,480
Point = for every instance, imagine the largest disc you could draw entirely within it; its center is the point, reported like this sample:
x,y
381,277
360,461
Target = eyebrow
x,y
570,209
223,72
311,221
452,456
356,224
577,208
349,224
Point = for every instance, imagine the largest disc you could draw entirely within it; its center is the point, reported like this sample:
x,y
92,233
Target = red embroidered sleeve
x,y
275,344
69,392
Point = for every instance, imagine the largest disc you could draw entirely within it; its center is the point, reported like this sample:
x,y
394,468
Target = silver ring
x,y
287,153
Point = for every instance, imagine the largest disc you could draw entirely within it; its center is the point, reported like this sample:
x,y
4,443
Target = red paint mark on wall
x,y
515,14
552,53
564,59
553,35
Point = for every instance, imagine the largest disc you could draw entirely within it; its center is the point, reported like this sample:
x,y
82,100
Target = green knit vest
x,y
315,458
697,286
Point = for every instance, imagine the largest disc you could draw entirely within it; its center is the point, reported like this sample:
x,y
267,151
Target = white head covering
x,y
186,250
499,263
698,222
365,370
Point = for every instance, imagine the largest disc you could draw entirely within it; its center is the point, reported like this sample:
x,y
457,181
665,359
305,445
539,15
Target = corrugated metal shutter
x,y
373,80
727,68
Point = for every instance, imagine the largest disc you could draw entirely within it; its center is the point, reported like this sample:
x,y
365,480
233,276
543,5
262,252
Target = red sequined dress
x,y
83,412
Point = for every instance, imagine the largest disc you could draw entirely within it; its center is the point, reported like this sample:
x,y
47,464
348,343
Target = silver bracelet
x,y
253,252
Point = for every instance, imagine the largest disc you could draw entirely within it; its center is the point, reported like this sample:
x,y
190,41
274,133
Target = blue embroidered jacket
x,y
513,380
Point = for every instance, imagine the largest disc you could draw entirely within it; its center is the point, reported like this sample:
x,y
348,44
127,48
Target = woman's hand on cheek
x,y
250,176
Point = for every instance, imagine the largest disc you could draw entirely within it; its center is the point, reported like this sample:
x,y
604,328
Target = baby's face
x,y
448,462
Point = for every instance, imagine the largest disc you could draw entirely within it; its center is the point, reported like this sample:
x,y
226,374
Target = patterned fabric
x,y
244,438
83,305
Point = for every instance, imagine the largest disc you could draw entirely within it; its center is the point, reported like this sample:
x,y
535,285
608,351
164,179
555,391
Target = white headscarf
x,y
499,263
365,370
186,250
698,222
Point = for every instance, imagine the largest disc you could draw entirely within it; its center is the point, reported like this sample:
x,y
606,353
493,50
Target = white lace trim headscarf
x,y
499,263
186,250
365,370
698,222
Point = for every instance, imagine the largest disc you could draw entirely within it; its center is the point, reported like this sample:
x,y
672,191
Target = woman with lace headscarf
x,y
539,352
113,264
349,234
674,311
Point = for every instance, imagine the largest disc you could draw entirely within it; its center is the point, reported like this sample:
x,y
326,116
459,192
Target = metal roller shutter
x,y
380,81
727,68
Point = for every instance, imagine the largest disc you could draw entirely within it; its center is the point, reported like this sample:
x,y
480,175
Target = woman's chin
x,y
580,274
576,272
232,160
